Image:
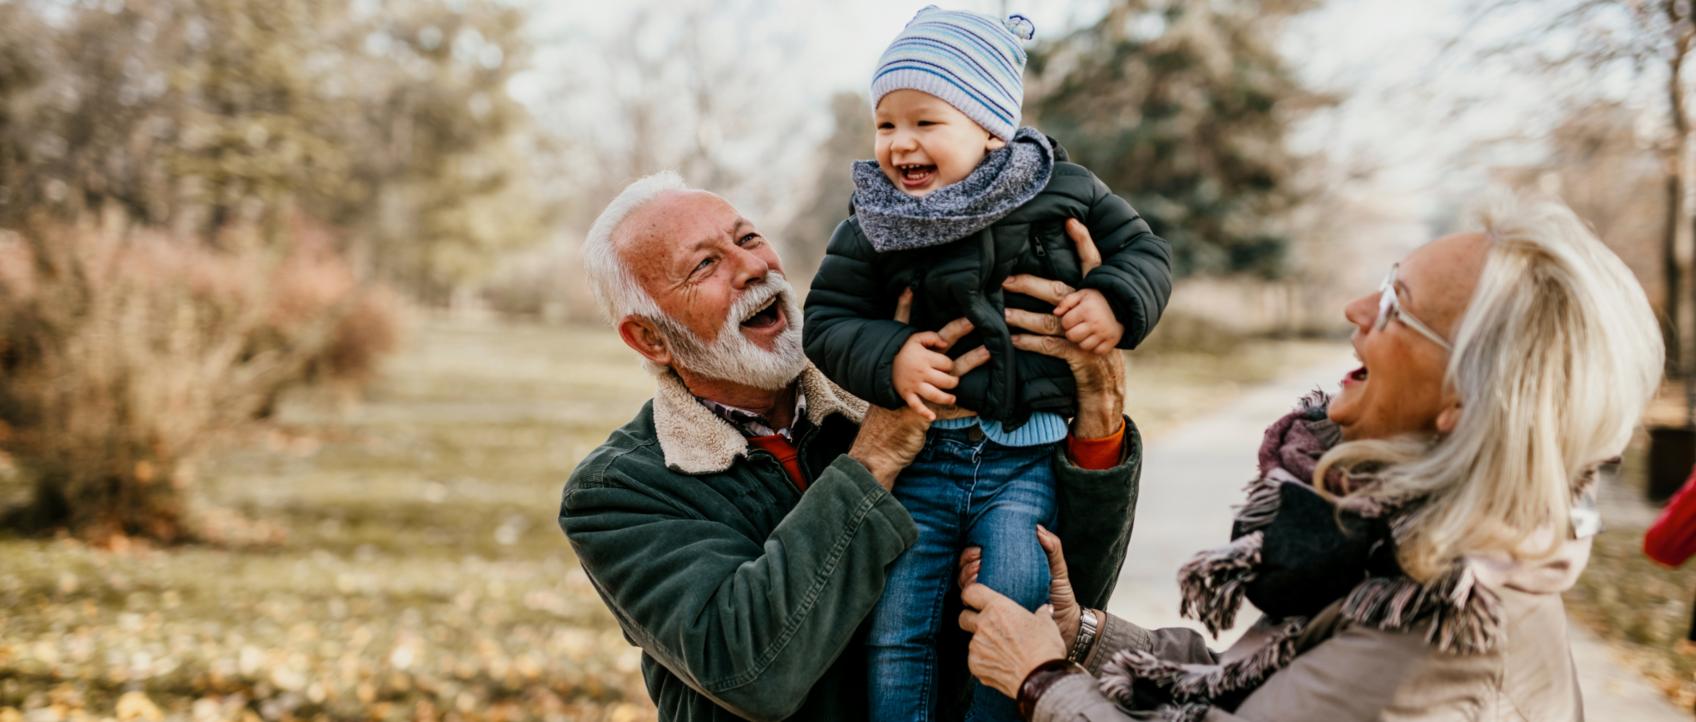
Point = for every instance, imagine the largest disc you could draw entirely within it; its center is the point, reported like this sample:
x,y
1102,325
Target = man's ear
x,y
1449,417
642,336
994,143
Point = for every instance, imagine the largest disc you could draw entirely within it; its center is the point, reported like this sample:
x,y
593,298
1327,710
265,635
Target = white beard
x,y
731,356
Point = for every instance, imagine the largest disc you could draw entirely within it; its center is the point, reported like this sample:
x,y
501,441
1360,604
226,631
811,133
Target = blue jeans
x,y
962,490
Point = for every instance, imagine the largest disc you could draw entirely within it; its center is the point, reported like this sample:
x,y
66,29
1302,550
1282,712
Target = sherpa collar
x,y
694,440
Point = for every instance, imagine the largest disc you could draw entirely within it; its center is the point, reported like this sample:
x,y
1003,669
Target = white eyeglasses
x,y
1390,307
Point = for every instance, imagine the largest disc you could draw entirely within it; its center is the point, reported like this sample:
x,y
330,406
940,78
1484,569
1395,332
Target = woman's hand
x,y
1100,377
890,439
1007,641
1062,601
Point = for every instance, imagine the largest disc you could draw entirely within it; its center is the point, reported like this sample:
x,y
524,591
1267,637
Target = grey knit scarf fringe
x,y
1462,615
1007,178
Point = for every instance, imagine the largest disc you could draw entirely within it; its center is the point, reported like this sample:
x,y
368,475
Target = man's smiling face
x,y
726,311
696,256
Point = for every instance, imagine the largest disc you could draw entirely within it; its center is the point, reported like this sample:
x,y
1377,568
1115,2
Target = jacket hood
x,y
1553,574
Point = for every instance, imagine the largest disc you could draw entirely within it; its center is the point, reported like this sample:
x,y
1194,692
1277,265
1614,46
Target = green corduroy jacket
x,y
747,595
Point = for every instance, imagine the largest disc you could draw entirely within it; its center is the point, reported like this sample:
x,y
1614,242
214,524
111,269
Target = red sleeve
x,y
1097,454
1672,538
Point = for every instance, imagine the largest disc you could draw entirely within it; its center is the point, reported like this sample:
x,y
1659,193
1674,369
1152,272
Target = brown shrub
x,y
123,351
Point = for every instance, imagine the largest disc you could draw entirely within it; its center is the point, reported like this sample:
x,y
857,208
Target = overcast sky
x,y
1383,58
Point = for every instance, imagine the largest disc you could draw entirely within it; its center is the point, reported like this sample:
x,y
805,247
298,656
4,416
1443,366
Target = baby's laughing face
x,y
924,144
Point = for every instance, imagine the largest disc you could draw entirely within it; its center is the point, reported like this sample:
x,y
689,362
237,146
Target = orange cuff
x,y
1097,454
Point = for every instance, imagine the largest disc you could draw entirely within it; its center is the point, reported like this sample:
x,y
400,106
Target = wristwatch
x,y
1088,625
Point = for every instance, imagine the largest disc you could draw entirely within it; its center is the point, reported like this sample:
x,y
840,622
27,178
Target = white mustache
x,y
756,298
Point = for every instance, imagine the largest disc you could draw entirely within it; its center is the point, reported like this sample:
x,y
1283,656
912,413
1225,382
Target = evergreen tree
x,y
1182,108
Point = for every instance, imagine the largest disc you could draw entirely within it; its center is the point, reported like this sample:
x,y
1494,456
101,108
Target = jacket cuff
x,y
1097,454
1100,482
1074,697
1116,635
885,507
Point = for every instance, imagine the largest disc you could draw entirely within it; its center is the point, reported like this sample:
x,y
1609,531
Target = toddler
x,y
959,198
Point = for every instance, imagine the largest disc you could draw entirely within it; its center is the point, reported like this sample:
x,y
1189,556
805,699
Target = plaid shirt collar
x,y
753,424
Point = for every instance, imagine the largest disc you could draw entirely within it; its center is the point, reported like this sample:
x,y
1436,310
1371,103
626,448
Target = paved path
x,y
1194,473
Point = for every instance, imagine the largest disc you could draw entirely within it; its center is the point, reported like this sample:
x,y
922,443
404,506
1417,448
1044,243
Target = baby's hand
x,y
1089,322
922,372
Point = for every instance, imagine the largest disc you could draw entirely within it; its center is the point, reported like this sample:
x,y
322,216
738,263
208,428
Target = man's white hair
x,y
615,287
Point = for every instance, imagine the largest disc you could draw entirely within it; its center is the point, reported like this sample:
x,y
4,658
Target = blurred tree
x,y
1646,41
695,86
390,120
1182,108
249,120
444,182
826,203
1604,165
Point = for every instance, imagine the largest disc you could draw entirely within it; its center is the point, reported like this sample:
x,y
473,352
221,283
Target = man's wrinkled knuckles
x,y
1042,323
955,330
1047,345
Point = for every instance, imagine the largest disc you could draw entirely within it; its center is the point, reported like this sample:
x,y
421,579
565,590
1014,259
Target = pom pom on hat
x,y
1021,27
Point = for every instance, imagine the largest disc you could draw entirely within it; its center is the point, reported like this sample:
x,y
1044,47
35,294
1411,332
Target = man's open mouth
x,y
767,316
914,175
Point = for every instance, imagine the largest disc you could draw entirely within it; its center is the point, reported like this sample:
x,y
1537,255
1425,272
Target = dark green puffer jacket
x,y
849,334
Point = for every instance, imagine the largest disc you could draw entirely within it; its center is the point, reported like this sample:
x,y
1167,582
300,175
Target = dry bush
x,y
311,283
123,351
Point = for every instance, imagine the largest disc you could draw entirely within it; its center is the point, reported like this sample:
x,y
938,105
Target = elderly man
x,y
741,525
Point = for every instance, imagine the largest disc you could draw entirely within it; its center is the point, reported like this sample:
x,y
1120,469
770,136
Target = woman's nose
x,y
1362,312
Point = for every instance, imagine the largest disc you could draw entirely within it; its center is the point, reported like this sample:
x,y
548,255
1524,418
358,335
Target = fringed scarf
x,y
1294,552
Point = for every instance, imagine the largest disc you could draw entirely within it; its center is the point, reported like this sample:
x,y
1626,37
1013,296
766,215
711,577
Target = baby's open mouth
x,y
765,316
913,174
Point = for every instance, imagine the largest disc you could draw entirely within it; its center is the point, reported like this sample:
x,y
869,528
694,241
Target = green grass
x,y
422,575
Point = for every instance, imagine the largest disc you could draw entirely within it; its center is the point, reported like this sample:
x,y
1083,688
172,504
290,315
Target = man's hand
x,y
888,441
1100,377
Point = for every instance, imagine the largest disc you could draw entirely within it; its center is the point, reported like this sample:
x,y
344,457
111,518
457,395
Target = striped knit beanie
x,y
972,62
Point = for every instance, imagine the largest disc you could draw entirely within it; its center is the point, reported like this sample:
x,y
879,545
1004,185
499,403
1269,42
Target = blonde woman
x,y
1408,540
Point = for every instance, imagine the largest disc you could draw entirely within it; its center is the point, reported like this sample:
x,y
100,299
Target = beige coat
x,y
1345,672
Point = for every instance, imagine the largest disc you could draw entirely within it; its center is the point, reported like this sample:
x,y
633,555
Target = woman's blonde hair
x,y
1555,358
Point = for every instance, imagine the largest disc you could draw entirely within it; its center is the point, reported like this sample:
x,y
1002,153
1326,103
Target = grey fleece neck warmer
x,y
1007,178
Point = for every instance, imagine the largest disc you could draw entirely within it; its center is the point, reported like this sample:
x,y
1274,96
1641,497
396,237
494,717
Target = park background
x,y
295,351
